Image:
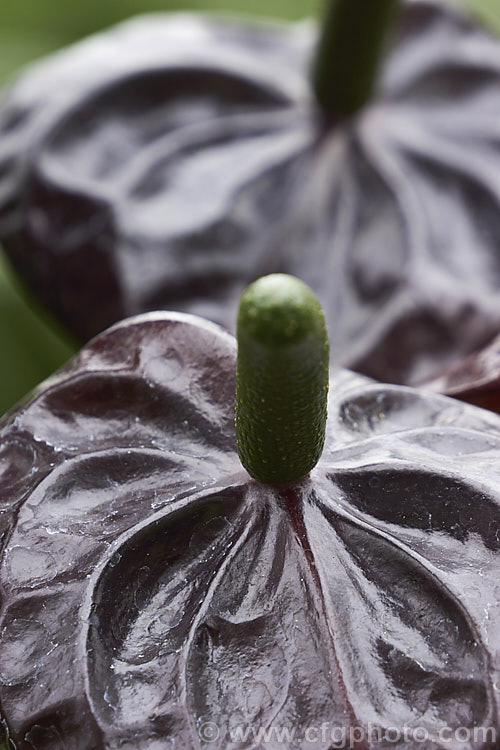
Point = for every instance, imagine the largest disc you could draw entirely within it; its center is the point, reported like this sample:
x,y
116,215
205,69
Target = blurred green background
x,y
32,347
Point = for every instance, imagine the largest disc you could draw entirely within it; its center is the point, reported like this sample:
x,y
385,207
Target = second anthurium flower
x,y
154,595
173,160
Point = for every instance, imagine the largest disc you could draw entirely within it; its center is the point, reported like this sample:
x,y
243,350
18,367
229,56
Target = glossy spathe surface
x,y
175,159
148,585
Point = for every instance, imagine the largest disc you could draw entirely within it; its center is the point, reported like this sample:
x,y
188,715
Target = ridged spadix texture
x,y
282,379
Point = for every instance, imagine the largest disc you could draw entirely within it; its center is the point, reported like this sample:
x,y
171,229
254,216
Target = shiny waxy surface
x,y
173,160
148,586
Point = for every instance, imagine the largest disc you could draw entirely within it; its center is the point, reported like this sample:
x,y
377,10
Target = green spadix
x,y
282,379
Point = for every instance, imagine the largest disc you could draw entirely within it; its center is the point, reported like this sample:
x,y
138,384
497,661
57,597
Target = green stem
x,y
282,379
349,51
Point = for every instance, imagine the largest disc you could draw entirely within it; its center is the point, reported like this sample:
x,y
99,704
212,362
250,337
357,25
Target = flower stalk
x,y
349,51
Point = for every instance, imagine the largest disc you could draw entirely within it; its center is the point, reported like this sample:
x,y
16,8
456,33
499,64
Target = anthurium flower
x,y
154,595
174,159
